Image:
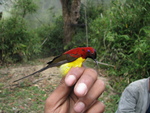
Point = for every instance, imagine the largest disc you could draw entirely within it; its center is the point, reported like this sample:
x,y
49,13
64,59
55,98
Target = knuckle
x,y
103,107
102,84
77,71
91,72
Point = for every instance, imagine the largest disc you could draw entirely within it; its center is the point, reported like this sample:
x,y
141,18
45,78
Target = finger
x,y
86,101
97,107
85,82
73,75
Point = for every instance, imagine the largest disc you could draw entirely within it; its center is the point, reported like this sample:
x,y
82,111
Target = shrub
x,y
121,37
17,43
52,38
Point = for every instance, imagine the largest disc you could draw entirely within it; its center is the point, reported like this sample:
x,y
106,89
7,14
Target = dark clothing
x,y
148,110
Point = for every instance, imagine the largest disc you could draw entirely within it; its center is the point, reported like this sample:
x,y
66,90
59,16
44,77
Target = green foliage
x,y
16,41
93,11
121,37
52,38
19,42
23,7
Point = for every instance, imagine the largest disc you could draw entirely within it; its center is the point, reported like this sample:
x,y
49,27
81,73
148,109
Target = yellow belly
x,y
67,66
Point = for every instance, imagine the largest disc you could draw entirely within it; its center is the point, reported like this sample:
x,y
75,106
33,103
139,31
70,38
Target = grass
x,y
31,99
23,100
110,99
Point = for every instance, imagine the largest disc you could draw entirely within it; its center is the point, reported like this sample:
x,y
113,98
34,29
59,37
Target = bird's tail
x,y
33,73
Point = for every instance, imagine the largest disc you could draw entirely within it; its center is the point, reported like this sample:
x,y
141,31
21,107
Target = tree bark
x,y
71,15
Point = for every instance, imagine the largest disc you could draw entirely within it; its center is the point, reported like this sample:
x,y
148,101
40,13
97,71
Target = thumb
x,y
66,85
61,93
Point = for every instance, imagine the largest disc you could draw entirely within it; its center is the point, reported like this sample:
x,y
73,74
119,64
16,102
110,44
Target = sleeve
x,y
128,100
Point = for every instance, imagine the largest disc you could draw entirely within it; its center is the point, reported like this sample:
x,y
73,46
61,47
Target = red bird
x,y
72,58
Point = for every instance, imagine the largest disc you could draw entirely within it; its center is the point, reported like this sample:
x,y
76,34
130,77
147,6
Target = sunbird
x,y
72,58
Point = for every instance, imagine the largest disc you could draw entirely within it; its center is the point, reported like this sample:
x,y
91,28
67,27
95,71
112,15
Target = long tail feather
x,y
34,73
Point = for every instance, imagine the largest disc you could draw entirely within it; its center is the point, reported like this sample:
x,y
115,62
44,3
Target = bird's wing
x,y
62,59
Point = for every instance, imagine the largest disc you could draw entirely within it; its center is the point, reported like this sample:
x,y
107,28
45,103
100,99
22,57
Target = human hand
x,y
78,92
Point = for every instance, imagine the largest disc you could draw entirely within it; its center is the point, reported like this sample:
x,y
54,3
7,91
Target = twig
x,y
105,64
35,81
86,27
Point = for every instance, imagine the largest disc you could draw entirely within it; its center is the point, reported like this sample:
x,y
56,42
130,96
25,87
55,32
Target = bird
x,y
71,58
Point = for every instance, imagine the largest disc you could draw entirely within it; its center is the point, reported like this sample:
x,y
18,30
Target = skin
x,y
78,92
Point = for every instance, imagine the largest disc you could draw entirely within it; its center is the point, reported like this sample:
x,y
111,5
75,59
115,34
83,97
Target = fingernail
x,y
70,80
79,107
81,89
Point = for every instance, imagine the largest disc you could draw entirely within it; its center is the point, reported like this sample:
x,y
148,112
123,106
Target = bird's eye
x,y
88,51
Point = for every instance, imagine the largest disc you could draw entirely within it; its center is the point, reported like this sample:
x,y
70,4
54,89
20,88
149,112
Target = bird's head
x,y
89,52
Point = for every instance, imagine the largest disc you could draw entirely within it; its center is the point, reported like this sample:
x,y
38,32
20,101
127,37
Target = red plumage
x,y
83,52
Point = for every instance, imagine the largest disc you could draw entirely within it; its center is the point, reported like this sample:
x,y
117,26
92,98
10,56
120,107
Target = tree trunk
x,y
1,13
71,15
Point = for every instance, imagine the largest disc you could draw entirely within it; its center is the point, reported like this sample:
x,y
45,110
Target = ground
x,y
29,95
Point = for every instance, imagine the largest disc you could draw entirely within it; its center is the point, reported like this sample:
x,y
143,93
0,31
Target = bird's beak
x,y
96,61
96,65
